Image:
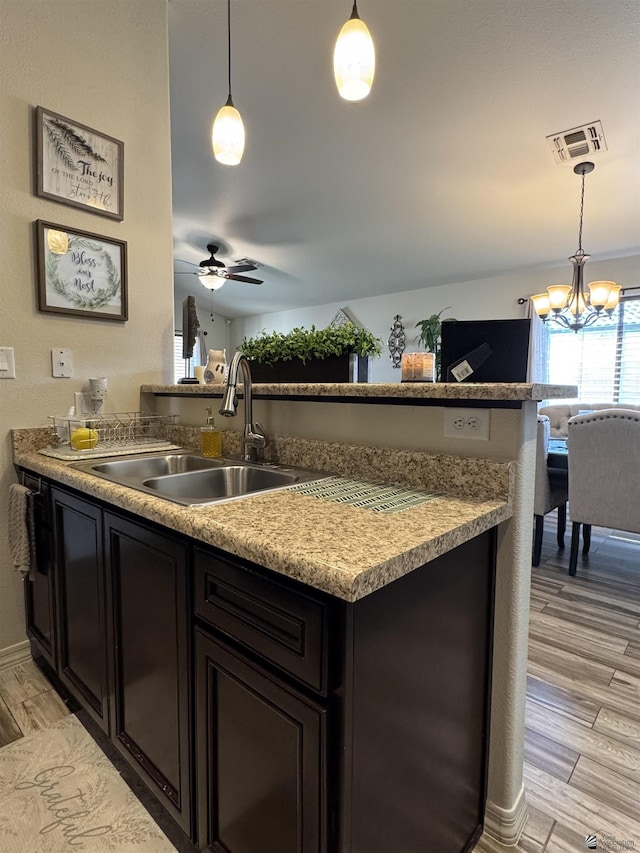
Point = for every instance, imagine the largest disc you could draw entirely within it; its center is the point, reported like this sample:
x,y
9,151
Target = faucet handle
x,y
254,435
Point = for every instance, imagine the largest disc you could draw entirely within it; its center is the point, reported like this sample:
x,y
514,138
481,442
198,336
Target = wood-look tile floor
x,y
582,746
582,750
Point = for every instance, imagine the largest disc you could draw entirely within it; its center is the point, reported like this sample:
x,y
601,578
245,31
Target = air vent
x,y
569,145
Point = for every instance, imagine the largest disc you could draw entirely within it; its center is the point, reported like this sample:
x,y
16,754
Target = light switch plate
x,y
61,363
7,363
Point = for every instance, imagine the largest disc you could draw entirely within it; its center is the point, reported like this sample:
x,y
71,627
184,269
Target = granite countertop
x,y
345,551
504,391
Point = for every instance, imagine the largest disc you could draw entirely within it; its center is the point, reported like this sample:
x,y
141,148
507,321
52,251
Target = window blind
x,y
603,360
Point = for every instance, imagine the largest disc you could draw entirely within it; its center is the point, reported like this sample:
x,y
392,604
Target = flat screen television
x,y
485,350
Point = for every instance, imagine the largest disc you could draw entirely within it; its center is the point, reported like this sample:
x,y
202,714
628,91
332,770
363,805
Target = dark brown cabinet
x,y
266,716
39,585
82,644
148,605
372,716
261,758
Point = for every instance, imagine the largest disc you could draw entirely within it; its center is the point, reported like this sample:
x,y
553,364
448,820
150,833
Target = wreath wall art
x,y
80,273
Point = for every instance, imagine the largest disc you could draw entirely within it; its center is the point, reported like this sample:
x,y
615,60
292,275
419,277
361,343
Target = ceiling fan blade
x,y
182,261
243,278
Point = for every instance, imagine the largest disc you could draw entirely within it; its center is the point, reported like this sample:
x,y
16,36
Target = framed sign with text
x,y
78,166
80,273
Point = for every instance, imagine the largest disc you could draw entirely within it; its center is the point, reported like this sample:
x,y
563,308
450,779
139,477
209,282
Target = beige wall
x,y
481,299
105,64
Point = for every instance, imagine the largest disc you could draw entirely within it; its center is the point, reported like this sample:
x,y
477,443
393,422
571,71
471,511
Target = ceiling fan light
x,y
212,282
354,60
599,292
227,135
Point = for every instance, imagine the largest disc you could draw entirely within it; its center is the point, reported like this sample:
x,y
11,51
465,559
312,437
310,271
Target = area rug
x,y
59,793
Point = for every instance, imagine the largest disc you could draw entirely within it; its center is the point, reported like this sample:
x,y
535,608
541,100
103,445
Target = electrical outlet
x,y
467,423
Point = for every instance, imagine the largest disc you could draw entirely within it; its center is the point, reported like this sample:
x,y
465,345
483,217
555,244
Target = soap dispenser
x,y
210,437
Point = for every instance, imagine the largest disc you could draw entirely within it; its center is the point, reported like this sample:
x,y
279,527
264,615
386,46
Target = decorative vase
x,y
216,367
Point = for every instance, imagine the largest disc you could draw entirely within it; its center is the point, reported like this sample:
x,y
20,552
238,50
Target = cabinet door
x,y
261,751
81,603
148,575
39,587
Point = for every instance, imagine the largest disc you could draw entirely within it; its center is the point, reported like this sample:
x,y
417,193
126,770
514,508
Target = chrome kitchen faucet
x,y
253,437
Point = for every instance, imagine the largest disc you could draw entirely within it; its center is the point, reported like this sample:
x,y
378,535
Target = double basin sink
x,y
191,479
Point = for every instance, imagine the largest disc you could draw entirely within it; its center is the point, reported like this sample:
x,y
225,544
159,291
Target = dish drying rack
x,y
119,434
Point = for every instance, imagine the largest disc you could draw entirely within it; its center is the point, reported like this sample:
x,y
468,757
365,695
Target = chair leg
x,y
537,540
562,524
575,542
586,538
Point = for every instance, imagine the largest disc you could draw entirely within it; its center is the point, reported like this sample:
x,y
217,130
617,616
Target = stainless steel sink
x,y
141,468
230,481
191,479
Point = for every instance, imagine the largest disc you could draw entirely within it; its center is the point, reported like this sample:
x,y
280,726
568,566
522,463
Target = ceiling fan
x,y
213,266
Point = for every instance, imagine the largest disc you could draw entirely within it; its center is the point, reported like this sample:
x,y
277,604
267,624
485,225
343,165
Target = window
x,y
603,360
182,367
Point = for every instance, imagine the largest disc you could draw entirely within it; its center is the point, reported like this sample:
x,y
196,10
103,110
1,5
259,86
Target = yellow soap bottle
x,y
210,437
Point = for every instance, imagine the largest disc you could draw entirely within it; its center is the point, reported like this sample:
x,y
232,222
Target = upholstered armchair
x,y
550,491
604,474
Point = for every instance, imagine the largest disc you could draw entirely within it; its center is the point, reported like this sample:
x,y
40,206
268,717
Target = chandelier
x,y
569,304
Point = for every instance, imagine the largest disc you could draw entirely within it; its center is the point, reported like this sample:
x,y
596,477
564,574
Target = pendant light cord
x,y
580,252
229,52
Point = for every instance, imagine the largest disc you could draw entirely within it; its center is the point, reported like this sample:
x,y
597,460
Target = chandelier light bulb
x,y
599,293
227,135
541,304
613,300
354,59
558,296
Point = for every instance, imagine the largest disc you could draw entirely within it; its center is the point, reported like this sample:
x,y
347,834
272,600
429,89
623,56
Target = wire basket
x,y
114,431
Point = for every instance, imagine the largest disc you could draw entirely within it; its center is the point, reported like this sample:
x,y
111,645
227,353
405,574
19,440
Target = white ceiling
x,y
442,174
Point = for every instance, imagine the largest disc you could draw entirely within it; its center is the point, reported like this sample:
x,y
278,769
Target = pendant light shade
x,y
227,135
227,131
354,59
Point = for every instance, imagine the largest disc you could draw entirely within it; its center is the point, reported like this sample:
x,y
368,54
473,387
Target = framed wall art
x,y
78,166
80,273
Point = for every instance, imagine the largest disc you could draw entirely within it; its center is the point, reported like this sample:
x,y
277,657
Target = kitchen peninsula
x,y
370,633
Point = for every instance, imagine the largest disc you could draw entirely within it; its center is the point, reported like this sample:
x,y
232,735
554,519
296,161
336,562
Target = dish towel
x,y
21,528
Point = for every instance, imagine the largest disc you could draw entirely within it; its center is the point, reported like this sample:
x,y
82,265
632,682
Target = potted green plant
x,y
335,354
430,334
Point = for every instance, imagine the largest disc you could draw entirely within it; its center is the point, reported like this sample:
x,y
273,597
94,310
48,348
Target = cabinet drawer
x,y
285,627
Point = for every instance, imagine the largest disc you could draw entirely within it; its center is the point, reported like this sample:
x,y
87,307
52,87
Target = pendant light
x,y
569,304
354,59
227,133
